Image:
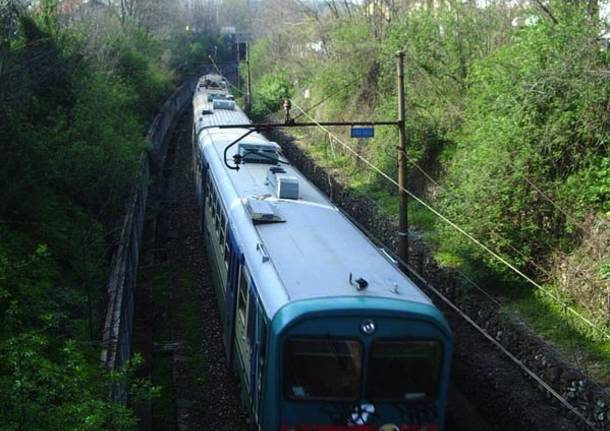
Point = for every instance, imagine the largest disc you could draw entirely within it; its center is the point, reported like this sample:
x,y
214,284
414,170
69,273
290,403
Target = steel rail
x,y
474,324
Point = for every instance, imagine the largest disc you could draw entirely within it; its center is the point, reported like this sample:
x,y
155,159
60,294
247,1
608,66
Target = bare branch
x,y
547,11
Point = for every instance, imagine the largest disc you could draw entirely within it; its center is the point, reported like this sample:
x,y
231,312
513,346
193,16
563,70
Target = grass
x,y
164,406
188,318
174,291
587,349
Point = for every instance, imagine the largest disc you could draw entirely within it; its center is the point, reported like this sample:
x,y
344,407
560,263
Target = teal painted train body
x,y
322,328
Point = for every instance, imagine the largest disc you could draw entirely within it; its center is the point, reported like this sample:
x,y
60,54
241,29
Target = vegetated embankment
x,y
502,393
177,322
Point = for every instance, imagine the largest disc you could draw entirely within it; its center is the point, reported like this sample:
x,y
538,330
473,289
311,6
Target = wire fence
x,y
118,324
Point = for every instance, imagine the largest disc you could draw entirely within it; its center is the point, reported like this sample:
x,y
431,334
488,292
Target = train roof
x,y
315,251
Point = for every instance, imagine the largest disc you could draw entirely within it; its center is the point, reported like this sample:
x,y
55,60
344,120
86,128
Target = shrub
x,y
270,92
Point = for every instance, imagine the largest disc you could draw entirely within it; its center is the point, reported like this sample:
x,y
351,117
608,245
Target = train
x,y
320,325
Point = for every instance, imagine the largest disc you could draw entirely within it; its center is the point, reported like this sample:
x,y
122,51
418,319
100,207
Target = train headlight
x,y
368,327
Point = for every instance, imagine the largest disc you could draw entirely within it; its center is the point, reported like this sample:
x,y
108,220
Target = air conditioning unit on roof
x,y
281,184
258,153
223,104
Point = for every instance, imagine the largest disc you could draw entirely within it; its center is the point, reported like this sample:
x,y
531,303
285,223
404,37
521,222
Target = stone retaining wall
x,y
118,323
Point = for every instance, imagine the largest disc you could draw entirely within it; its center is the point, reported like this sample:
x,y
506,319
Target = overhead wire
x,y
493,232
552,202
496,234
461,273
221,74
497,256
336,93
455,226
475,325
567,307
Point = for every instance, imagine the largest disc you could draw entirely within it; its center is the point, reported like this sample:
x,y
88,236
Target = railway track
x,y
177,320
489,390
178,331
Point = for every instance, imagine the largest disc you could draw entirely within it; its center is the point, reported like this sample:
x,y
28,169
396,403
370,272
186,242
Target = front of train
x,y
349,363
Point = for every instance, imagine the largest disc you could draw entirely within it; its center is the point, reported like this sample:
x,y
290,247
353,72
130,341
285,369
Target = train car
x,y
322,328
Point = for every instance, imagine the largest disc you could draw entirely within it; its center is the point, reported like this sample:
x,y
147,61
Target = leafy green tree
x,y
76,102
535,120
270,93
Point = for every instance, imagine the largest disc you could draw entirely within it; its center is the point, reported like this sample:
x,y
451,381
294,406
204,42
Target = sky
x,y
604,9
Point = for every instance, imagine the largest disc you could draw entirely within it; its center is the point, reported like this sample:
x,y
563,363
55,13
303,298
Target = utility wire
x,y
336,93
475,325
493,232
446,220
468,279
496,234
451,223
221,74
552,202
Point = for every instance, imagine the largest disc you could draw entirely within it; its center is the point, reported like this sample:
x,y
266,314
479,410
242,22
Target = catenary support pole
x,y
237,59
248,80
403,228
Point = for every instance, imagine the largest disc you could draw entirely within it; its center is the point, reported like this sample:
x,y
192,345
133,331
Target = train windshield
x,y
322,369
404,370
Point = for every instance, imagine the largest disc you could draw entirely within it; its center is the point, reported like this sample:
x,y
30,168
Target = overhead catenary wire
x,y
552,202
461,273
446,220
493,232
221,74
336,93
496,234
475,325
455,226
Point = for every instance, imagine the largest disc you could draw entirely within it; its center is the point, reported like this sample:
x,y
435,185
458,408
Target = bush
x,y
76,102
269,93
534,121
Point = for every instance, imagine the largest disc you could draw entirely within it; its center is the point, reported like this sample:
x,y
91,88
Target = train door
x,y
259,362
201,186
235,262
208,204
242,343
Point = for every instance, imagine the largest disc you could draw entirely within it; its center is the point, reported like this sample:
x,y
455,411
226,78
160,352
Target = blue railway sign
x,y
362,132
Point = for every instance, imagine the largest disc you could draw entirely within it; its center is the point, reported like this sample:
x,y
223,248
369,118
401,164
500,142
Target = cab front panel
x,y
351,363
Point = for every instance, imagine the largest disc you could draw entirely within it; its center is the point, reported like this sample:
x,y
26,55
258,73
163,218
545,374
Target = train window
x,y
216,213
227,253
207,186
251,320
322,369
242,296
404,370
222,230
